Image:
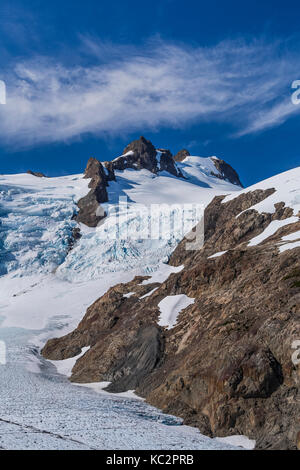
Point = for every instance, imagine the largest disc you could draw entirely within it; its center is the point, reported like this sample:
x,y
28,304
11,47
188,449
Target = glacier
x,y
45,290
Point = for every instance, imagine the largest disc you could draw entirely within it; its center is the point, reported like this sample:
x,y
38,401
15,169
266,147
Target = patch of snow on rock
x,y
170,307
289,246
163,273
219,253
271,229
149,293
129,294
65,366
287,186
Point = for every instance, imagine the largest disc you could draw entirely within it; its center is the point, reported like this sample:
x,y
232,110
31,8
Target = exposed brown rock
x,y
36,173
144,154
226,172
95,171
141,154
105,317
181,155
166,163
90,212
226,366
141,357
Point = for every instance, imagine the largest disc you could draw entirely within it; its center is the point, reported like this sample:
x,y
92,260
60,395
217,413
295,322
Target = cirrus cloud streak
x,y
246,85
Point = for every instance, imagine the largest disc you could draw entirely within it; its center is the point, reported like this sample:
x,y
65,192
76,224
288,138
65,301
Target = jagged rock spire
x,y
89,205
181,155
141,154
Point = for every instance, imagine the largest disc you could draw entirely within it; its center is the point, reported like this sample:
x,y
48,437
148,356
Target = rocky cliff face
x,y
225,171
226,366
181,155
138,155
141,154
90,212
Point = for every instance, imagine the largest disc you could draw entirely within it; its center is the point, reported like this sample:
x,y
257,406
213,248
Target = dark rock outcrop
x,y
90,211
96,172
141,154
226,366
75,236
141,357
181,155
226,172
36,173
166,163
130,357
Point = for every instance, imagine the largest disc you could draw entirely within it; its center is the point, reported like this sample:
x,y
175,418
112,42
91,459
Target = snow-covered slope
x,y
99,250
287,186
287,191
36,223
45,291
199,170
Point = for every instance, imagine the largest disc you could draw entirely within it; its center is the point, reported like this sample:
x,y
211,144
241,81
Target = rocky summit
x,y
138,155
141,154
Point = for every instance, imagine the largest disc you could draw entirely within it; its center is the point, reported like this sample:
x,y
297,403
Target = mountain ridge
x,y
140,154
245,291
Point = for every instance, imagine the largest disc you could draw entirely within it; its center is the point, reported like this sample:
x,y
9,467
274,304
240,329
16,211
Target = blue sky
x,y
85,78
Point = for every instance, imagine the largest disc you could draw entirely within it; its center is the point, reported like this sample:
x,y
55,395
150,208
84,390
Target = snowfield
x,y
44,293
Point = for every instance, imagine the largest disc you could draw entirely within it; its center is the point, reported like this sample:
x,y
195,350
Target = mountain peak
x,y
181,155
225,171
141,154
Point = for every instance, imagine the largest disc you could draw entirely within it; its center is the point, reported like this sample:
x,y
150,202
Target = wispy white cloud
x,y
161,84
